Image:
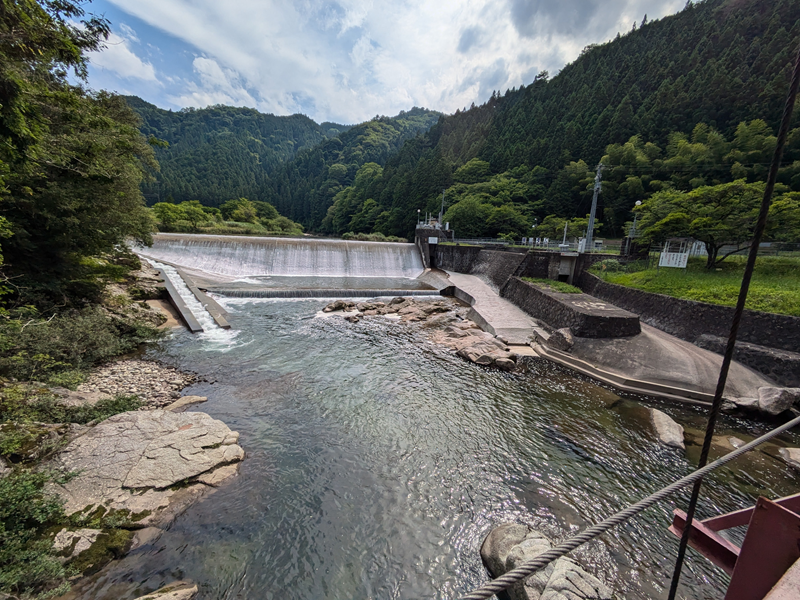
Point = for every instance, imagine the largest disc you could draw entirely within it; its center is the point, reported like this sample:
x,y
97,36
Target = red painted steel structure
x,y
771,545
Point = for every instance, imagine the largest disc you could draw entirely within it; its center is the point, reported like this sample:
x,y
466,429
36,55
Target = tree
x,y
468,218
71,160
167,213
717,215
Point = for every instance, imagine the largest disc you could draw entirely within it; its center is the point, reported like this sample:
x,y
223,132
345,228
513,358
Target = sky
x,y
346,61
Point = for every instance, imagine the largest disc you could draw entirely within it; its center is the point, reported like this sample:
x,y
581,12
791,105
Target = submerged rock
x,y
668,431
181,590
510,545
791,456
131,461
185,401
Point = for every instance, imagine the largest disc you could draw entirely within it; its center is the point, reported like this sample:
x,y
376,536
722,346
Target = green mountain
x,y
223,152
304,188
688,100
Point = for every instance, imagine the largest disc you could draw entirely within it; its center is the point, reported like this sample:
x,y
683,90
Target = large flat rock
x,y
129,461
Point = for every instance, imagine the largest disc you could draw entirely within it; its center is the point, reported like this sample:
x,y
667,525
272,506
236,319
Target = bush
x,y
28,565
372,237
26,404
35,348
609,265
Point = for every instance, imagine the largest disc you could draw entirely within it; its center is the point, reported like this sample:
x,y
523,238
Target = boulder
x,y
668,431
561,339
130,461
185,401
570,582
510,545
4,468
506,364
175,591
774,400
498,544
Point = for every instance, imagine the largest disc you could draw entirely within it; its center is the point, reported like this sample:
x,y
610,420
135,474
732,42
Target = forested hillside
x,y
689,100
305,187
223,152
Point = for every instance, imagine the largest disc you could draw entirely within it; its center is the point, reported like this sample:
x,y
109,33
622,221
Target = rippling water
x,y
377,463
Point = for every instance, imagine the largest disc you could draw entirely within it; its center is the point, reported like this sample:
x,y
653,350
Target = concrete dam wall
x,y
237,256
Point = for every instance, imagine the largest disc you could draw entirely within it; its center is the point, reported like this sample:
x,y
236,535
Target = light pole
x,y
418,217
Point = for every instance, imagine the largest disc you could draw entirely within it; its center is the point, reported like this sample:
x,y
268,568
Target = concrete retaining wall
x,y
455,258
584,316
687,319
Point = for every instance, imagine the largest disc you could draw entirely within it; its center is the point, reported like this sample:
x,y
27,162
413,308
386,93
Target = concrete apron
x,y
652,363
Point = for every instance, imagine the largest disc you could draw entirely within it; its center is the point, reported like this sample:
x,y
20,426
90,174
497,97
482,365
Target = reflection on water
x,y
377,462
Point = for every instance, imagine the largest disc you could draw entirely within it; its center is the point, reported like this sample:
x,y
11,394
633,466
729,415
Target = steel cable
x,y
542,560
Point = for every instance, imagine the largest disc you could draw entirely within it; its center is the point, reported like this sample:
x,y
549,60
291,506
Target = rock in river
x,y
508,546
130,461
668,431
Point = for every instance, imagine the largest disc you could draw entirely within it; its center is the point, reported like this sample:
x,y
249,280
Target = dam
x,y
378,461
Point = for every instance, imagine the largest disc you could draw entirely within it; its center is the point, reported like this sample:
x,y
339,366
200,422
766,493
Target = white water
x,y
220,339
248,257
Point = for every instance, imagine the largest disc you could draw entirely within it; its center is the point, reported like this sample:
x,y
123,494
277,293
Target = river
x,y
377,462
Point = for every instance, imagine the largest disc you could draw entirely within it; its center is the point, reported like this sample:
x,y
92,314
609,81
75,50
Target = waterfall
x,y
248,256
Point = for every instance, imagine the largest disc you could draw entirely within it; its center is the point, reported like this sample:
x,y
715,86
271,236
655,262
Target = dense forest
x,y
219,153
222,152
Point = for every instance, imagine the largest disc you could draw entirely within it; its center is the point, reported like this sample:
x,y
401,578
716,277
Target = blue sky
x,y
346,60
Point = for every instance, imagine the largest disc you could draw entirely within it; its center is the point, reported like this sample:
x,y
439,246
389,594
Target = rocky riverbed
x,y
154,384
447,318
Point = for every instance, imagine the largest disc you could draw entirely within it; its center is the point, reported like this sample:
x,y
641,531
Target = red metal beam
x,y
742,517
707,542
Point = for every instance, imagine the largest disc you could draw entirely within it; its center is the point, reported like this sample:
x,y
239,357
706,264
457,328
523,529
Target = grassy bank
x,y
775,286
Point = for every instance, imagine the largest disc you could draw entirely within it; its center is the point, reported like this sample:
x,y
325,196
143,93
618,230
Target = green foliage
x,y
715,215
32,347
24,404
28,566
775,286
223,152
640,103
71,160
608,265
553,285
373,237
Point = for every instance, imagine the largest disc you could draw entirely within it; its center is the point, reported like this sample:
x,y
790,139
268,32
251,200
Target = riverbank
x,y
95,461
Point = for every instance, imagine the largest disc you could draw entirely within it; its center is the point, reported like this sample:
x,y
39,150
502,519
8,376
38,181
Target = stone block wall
x,y
584,315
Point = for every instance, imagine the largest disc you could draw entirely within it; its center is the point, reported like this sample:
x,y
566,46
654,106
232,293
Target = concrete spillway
x,y
236,256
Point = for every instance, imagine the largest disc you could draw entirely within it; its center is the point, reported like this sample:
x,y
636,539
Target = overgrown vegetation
x,y
553,285
775,286
28,566
373,237
235,217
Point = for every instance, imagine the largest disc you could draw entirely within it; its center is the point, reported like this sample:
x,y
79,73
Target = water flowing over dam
x,y
243,257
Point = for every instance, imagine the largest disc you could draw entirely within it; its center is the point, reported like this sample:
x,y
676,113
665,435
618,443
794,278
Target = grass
x,y
775,287
553,285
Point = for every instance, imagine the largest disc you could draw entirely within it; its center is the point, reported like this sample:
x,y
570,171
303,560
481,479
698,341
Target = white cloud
x,y
217,86
347,60
121,60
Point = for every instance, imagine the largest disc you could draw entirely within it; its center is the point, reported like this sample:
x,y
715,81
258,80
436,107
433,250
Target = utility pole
x,y
441,212
590,232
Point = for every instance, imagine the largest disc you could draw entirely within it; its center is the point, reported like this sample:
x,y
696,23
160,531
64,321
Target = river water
x,y
377,462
